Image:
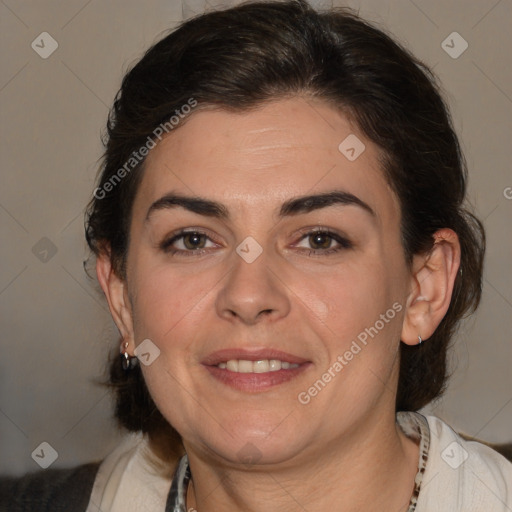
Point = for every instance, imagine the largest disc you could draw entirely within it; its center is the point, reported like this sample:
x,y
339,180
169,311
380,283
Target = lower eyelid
x,y
168,243
343,243
180,239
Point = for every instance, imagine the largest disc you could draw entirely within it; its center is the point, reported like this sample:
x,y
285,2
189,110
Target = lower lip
x,y
255,382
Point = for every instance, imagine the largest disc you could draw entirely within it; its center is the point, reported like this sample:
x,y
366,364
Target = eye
x,y
187,242
323,241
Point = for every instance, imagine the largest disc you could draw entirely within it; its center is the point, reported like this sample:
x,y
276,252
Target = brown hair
x,y
237,59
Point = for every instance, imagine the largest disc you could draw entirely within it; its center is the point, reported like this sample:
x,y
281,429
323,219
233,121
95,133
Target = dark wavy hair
x,y
239,58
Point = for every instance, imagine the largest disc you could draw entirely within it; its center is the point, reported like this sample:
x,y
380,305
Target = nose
x,y
252,292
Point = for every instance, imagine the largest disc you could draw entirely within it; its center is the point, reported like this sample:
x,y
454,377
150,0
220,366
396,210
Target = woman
x,y
281,236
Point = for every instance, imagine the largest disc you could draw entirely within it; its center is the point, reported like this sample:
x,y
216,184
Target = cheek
x,y
350,301
166,302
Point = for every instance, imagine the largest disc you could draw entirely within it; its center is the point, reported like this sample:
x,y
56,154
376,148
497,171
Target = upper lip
x,y
221,356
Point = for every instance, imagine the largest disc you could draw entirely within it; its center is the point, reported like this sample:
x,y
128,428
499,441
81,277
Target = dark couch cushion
x,y
51,490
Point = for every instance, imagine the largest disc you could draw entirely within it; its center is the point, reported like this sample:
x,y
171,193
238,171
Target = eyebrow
x,y
294,206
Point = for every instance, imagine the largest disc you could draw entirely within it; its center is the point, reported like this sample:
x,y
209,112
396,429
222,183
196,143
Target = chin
x,y
267,446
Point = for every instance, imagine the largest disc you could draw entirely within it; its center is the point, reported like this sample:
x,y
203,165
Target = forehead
x,y
261,158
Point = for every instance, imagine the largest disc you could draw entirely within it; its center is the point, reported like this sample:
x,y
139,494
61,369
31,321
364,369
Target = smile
x,y
261,366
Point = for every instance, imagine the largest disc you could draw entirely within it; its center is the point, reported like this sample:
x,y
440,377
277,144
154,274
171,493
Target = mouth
x,y
254,370
259,366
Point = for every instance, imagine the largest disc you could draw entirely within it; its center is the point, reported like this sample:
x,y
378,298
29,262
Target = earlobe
x,y
432,280
116,294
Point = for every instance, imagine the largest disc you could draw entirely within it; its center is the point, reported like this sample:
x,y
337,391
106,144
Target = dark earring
x,y
128,362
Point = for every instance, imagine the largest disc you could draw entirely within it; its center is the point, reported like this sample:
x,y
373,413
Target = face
x,y
290,252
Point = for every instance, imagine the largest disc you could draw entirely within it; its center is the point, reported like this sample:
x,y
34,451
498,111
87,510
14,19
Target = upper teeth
x,y
261,366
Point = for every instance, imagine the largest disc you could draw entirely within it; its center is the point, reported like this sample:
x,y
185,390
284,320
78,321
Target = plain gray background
x,y
56,329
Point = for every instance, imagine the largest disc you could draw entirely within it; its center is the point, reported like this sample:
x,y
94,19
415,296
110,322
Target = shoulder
x,y
463,475
53,490
132,478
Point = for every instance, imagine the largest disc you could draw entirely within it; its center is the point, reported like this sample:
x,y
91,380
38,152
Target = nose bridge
x,y
251,286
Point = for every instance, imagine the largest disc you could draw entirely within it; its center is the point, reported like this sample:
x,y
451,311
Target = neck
x,y
370,466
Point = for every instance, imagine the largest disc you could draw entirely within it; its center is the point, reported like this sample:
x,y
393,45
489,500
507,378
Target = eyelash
x,y
166,245
343,242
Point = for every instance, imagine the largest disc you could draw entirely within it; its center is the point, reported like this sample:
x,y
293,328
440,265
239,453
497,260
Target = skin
x,y
343,448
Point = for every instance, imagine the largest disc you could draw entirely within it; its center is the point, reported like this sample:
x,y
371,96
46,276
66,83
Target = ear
x,y
432,280
116,292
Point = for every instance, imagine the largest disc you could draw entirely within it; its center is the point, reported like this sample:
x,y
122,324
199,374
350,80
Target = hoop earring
x,y
419,340
128,362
